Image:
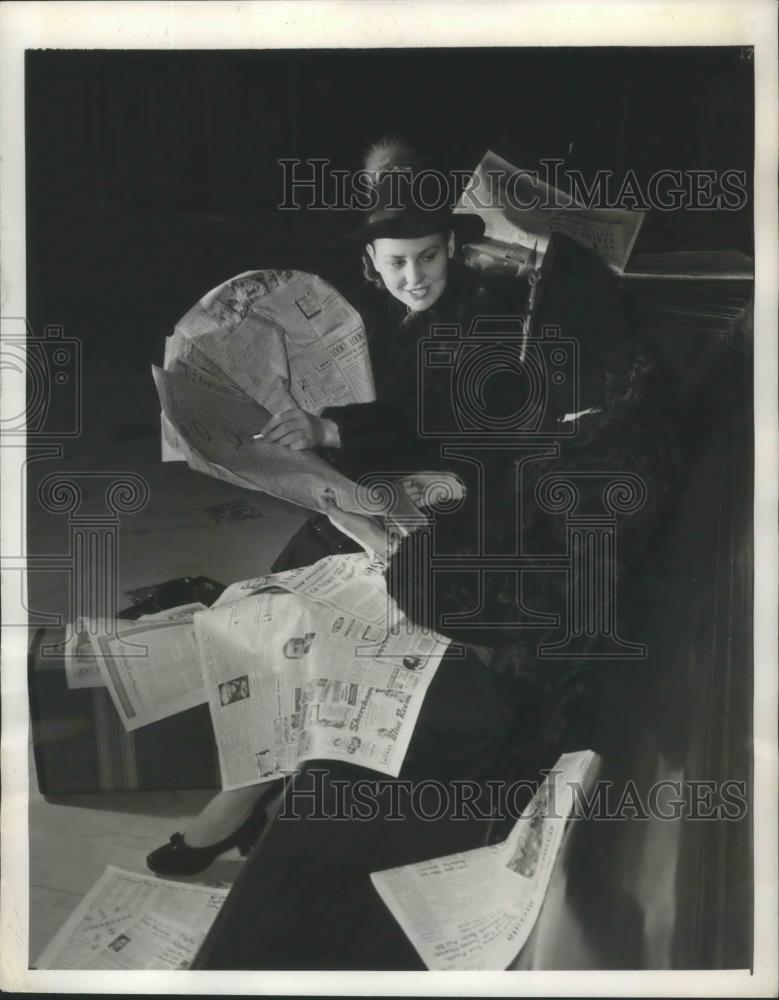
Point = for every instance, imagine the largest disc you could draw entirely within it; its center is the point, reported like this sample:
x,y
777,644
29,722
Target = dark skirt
x,y
314,540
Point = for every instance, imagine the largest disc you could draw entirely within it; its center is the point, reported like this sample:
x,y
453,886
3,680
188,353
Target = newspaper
x,y
215,428
309,340
609,232
129,921
150,666
81,666
475,910
348,584
314,663
254,346
283,337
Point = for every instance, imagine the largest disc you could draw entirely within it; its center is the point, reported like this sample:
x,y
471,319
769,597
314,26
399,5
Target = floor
x,y
190,526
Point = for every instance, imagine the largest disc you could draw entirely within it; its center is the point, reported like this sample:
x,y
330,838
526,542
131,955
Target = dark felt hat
x,y
398,209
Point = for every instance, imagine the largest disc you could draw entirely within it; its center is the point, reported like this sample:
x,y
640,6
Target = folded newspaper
x,y
316,662
256,345
521,212
476,909
150,666
129,921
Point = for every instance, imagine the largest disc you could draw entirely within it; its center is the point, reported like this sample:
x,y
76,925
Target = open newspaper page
x,y
215,429
497,191
349,584
475,910
284,337
256,345
151,666
282,334
129,921
314,663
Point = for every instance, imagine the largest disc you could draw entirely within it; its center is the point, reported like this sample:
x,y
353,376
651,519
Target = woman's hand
x,y
298,430
369,531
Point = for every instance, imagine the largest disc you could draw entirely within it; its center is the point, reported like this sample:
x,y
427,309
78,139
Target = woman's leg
x,y
223,815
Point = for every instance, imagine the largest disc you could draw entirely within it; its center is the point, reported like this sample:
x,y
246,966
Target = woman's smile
x,y
413,270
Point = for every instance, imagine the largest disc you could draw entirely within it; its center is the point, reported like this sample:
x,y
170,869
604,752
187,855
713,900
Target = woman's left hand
x,y
369,531
298,430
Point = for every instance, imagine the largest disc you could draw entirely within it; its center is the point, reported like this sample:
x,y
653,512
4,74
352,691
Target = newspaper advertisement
x,y
475,910
521,210
297,668
129,921
150,666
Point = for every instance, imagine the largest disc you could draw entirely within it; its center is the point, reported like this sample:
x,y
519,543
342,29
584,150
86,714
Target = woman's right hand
x,y
296,429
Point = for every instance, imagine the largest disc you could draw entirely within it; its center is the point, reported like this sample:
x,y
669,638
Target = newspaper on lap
x,y
313,663
316,662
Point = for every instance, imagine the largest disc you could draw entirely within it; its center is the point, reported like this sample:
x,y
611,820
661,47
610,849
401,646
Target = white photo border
x,y
399,23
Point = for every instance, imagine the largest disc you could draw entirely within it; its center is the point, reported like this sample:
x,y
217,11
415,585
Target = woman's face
x,y
414,271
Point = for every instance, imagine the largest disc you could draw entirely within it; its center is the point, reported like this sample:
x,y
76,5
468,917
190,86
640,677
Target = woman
x,y
417,281
410,254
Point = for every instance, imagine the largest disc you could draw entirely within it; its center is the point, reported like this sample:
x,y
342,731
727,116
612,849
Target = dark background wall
x,y
152,176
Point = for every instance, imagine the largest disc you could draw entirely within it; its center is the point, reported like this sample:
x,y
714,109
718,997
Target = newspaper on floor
x,y
521,212
310,664
151,666
129,921
475,910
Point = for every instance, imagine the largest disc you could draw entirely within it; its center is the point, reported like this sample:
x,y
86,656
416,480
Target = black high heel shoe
x,y
178,858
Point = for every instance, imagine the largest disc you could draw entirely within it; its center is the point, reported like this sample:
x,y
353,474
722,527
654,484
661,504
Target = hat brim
x,y
468,228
